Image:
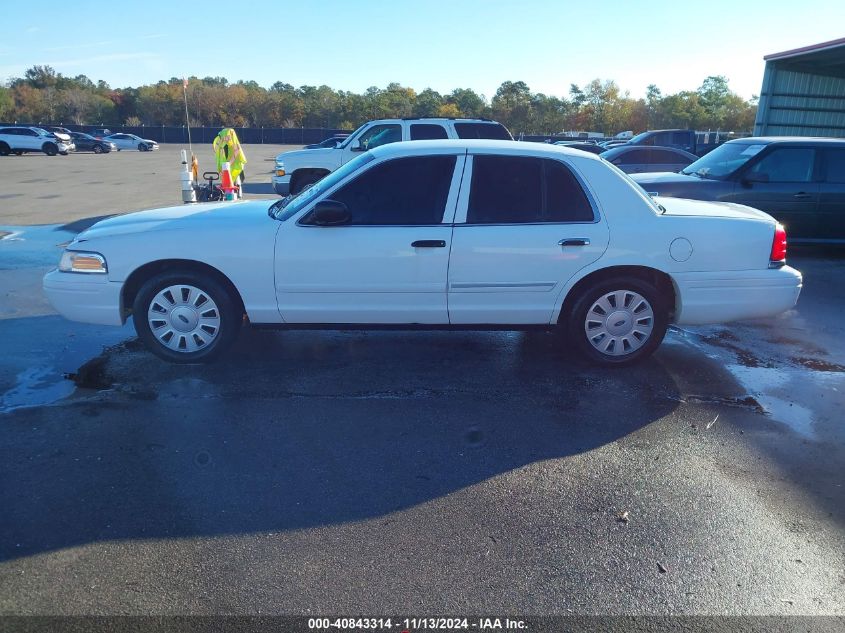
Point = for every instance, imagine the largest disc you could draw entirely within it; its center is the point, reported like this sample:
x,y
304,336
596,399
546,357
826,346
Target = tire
x,y
142,147
97,149
300,180
51,149
4,148
173,318
618,322
18,152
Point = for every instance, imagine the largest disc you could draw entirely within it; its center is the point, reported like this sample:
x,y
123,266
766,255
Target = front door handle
x,y
575,241
802,196
429,244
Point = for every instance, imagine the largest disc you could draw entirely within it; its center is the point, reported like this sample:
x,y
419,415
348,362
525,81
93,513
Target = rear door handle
x,y
429,244
802,196
575,241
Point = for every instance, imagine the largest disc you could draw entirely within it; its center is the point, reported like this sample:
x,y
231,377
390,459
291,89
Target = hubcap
x,y
619,322
183,318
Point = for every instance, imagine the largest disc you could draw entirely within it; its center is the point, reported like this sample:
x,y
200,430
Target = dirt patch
x,y
817,365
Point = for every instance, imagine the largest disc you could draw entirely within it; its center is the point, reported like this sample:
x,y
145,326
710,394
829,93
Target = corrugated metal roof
x,y
813,48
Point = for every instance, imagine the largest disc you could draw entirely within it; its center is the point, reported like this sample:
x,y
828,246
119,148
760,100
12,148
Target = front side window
x,y
381,135
400,192
787,165
521,190
663,156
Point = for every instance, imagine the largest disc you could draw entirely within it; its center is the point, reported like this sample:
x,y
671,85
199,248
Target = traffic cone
x,y
226,183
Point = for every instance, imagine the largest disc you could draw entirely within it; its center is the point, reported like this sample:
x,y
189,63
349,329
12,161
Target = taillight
x,y
777,257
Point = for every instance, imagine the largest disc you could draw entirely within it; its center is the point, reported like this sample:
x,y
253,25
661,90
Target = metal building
x,y
803,92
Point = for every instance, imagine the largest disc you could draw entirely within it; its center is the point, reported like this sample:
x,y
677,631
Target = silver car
x,y
638,159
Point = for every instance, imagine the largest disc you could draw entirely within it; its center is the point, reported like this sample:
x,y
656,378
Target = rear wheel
x,y
51,149
186,317
619,321
4,148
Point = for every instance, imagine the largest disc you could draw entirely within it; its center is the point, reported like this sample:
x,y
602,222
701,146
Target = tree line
x,y
45,96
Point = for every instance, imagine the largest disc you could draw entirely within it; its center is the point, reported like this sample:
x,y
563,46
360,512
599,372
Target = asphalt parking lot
x,y
369,473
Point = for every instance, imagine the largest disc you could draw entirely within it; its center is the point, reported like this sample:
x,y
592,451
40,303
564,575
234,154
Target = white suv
x,y
296,170
17,140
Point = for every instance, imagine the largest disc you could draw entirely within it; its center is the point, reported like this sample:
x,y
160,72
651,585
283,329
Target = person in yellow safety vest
x,y
227,147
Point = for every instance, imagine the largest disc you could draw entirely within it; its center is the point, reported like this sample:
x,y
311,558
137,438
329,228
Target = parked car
x,y
20,139
800,181
87,143
101,132
635,160
584,147
298,169
440,234
61,133
123,140
331,142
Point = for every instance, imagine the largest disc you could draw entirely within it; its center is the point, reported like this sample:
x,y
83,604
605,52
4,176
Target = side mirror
x,y
752,177
356,147
329,213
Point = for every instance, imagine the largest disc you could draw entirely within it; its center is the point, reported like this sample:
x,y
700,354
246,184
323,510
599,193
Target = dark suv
x,y
800,181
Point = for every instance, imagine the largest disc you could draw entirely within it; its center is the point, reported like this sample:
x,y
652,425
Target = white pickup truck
x,y
296,170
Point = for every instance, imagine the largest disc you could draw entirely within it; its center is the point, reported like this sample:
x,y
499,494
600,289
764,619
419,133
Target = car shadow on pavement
x,y
304,429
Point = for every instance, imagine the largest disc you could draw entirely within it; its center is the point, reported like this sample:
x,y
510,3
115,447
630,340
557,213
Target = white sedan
x,y
434,234
131,141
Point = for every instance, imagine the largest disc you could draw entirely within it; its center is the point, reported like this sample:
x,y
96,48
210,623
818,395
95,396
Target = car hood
x,y
307,154
204,217
684,206
663,177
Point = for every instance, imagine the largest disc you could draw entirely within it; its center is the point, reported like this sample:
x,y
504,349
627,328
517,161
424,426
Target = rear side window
x,y
404,191
495,131
514,190
834,169
427,132
662,156
634,157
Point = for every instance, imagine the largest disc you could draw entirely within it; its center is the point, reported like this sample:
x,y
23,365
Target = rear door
x,y
831,215
523,228
789,191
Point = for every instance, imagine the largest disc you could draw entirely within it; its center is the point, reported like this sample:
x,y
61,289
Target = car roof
x,y
480,145
766,140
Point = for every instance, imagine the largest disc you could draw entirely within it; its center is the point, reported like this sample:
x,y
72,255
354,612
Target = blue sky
x,y
475,44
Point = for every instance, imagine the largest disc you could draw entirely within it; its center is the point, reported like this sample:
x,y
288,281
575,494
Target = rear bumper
x,y
735,295
84,298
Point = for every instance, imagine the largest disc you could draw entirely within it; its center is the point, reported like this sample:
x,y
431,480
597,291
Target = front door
x,y
529,226
389,263
782,184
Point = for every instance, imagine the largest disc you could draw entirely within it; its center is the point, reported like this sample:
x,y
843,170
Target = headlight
x,y
78,262
280,169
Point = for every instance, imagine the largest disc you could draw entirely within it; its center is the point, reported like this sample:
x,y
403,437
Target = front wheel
x,y
51,149
98,149
618,321
4,148
142,147
186,317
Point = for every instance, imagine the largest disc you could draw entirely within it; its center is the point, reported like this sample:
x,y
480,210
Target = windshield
x,y
639,138
351,136
723,161
289,206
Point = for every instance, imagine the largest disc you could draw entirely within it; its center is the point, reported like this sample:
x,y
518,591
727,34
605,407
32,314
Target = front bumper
x,y
84,297
734,295
281,184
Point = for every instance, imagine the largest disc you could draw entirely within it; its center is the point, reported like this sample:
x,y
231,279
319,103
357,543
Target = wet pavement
x,y
313,472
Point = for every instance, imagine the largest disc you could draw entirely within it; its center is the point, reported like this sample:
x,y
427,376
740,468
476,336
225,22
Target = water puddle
x,y
36,387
